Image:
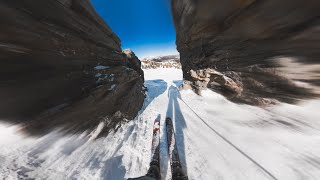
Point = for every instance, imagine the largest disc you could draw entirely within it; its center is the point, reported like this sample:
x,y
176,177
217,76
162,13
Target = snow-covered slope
x,y
170,61
216,139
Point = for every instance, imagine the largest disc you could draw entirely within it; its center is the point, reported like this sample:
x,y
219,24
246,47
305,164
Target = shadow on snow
x,y
154,89
174,112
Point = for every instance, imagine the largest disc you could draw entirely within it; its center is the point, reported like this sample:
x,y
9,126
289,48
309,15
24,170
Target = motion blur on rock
x,y
62,67
133,62
254,52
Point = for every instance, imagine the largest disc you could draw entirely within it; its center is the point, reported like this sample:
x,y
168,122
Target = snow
x,y
104,77
98,75
99,67
111,77
94,134
216,139
112,87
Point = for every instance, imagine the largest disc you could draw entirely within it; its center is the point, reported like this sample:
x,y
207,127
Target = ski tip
x,y
158,119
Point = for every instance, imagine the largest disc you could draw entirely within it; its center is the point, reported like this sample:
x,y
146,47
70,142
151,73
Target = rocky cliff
x,y
133,61
62,67
252,51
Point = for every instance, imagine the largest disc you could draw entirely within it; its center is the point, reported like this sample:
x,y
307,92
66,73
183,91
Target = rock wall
x,y
252,51
62,66
134,62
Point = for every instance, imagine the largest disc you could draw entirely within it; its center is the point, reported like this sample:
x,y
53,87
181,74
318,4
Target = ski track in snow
x,y
283,139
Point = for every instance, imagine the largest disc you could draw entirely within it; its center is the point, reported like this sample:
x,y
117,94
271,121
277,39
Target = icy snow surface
x,y
99,67
283,139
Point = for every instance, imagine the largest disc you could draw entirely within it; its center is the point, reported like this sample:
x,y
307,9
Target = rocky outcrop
x,y
133,61
244,49
62,67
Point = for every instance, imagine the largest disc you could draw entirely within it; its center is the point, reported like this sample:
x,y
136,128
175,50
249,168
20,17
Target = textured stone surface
x,y
61,66
250,42
133,61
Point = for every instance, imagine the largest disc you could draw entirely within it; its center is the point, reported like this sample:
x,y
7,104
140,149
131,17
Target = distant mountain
x,y
170,61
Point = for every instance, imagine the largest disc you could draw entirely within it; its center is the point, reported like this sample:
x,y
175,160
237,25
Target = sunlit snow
x,y
283,139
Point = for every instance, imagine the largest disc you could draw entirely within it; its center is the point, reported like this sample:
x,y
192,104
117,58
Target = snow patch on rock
x,y
99,67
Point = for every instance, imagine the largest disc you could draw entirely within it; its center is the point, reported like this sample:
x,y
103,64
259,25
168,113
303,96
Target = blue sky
x,y
145,26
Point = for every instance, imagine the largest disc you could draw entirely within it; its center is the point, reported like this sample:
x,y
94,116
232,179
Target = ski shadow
x,y
113,169
174,112
155,88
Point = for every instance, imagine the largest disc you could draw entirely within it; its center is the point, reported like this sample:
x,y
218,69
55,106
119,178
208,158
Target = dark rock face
x,y
62,66
251,51
133,61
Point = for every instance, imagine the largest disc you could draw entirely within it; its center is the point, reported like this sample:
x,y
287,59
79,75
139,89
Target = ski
x,y
176,168
154,170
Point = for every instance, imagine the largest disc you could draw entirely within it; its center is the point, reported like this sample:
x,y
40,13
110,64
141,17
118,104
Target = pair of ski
x,y
176,169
